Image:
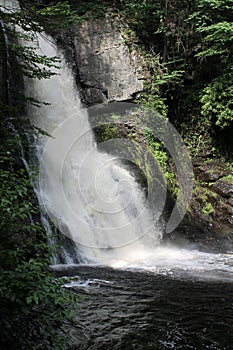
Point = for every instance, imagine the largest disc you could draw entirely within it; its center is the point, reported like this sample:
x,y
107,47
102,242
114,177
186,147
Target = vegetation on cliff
x,y
188,50
33,304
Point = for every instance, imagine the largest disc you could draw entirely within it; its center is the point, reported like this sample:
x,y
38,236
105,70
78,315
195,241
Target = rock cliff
x,y
108,69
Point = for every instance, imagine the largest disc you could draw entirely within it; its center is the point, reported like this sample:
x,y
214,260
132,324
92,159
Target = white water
x,y
180,262
103,217
89,196
95,201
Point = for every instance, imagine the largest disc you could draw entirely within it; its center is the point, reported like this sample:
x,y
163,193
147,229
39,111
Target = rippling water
x,y
184,306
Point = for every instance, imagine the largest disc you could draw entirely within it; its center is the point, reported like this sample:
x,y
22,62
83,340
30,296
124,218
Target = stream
x,y
185,306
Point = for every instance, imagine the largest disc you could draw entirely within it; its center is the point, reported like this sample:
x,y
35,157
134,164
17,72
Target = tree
x,y
189,50
214,23
33,303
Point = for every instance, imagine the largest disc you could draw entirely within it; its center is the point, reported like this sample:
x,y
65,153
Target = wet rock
x,y
212,201
210,172
209,176
230,201
223,187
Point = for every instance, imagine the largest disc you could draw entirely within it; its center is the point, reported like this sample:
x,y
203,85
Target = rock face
x,y
224,188
108,69
212,203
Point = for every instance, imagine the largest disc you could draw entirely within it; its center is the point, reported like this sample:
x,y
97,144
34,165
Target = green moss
x,y
209,193
208,209
204,192
228,178
134,136
159,152
206,198
106,132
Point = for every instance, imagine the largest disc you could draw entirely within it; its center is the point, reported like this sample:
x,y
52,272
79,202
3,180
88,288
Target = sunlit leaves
x,y
218,37
217,102
215,27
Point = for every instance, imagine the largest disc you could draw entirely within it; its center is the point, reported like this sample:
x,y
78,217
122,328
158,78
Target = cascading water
x,y
90,197
87,193
114,226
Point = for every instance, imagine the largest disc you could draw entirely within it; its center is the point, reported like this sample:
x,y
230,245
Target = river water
x,y
136,310
187,306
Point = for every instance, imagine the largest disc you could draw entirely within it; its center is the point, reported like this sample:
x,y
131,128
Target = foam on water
x,y
177,261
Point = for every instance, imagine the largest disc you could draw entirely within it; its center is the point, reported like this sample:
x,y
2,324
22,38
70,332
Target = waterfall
x,y
87,193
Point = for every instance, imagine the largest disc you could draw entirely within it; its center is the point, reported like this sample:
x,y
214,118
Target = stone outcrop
x,y
108,69
212,202
223,188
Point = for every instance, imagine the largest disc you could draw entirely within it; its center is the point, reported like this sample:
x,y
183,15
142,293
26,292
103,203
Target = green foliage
x,y
92,9
215,27
142,15
161,80
106,132
214,23
216,102
60,15
152,98
197,135
219,37
162,157
228,178
158,150
208,209
189,55
24,60
188,52
29,61
33,304
206,198
59,10
192,68
27,289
